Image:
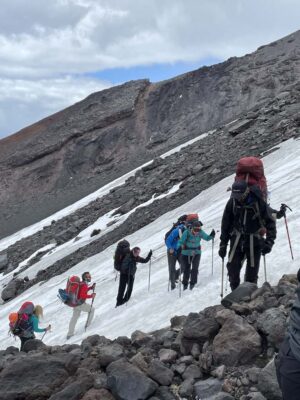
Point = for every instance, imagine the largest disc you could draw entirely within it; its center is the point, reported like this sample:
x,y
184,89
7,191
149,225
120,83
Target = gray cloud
x,y
43,41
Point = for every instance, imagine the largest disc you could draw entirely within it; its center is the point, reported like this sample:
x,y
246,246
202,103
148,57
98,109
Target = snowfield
x,y
150,310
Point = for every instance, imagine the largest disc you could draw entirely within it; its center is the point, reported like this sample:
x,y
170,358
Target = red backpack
x,y
251,170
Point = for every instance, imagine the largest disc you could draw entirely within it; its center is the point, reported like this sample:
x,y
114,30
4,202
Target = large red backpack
x,y
20,323
251,170
72,290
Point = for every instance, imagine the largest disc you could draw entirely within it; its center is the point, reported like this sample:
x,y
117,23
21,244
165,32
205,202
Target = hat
x,y
196,224
238,189
182,218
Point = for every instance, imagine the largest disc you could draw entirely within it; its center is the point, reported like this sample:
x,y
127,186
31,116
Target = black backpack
x,y
122,249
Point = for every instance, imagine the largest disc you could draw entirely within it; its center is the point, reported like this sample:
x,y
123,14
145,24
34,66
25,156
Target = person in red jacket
x,y
83,306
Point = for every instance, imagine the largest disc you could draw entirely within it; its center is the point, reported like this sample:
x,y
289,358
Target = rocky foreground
x,y
217,354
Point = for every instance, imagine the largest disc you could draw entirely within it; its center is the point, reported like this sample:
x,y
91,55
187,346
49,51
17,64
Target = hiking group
x,y
248,226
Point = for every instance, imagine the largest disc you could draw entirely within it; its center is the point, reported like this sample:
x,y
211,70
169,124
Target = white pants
x,y
76,314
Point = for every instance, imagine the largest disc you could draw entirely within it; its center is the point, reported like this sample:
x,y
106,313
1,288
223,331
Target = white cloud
x,y
41,40
23,101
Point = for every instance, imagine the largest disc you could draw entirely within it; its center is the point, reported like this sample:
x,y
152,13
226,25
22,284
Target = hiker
x,y
246,219
127,273
288,360
191,252
84,288
33,327
173,252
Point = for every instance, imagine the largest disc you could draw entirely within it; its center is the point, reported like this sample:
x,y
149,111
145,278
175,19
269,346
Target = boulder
x,y
186,388
160,373
10,291
167,355
273,323
237,343
109,353
267,382
33,344
192,372
32,377
207,389
75,390
127,382
98,394
242,292
140,338
3,262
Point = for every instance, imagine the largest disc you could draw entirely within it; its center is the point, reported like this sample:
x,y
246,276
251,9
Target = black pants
x,y
125,280
288,372
234,267
24,340
190,266
173,273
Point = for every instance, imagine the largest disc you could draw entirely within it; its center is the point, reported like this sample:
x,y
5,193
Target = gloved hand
x,y
93,295
212,233
222,250
281,212
266,248
150,254
48,328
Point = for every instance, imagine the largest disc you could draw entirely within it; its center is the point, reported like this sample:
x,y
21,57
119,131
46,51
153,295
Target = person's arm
x,y
270,226
182,240
227,222
84,293
205,236
35,325
144,260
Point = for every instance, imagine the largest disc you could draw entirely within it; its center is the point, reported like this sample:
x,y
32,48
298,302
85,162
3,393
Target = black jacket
x,y
246,219
129,263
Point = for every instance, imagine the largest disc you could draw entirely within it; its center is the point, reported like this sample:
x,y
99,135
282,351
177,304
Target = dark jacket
x,y
294,327
248,219
129,263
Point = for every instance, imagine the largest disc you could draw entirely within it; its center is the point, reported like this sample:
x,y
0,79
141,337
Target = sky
x,y
55,53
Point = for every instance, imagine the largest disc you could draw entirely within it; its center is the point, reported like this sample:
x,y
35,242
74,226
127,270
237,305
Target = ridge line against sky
x,y
53,54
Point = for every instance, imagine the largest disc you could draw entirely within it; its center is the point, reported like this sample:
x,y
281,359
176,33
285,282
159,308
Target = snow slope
x,y
152,310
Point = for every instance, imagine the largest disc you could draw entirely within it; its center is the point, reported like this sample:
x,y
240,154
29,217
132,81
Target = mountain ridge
x,y
41,172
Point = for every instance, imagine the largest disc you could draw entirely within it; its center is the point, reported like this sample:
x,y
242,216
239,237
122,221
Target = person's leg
x,y
23,341
288,374
186,265
85,307
234,268
251,274
194,271
172,262
129,288
73,321
122,286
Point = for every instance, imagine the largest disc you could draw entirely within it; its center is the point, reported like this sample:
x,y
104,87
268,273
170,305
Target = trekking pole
x,y
212,256
45,333
265,268
149,275
287,230
89,313
222,282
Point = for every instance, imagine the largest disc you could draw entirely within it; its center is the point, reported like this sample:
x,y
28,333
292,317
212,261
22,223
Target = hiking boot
x,y
185,287
191,287
173,286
